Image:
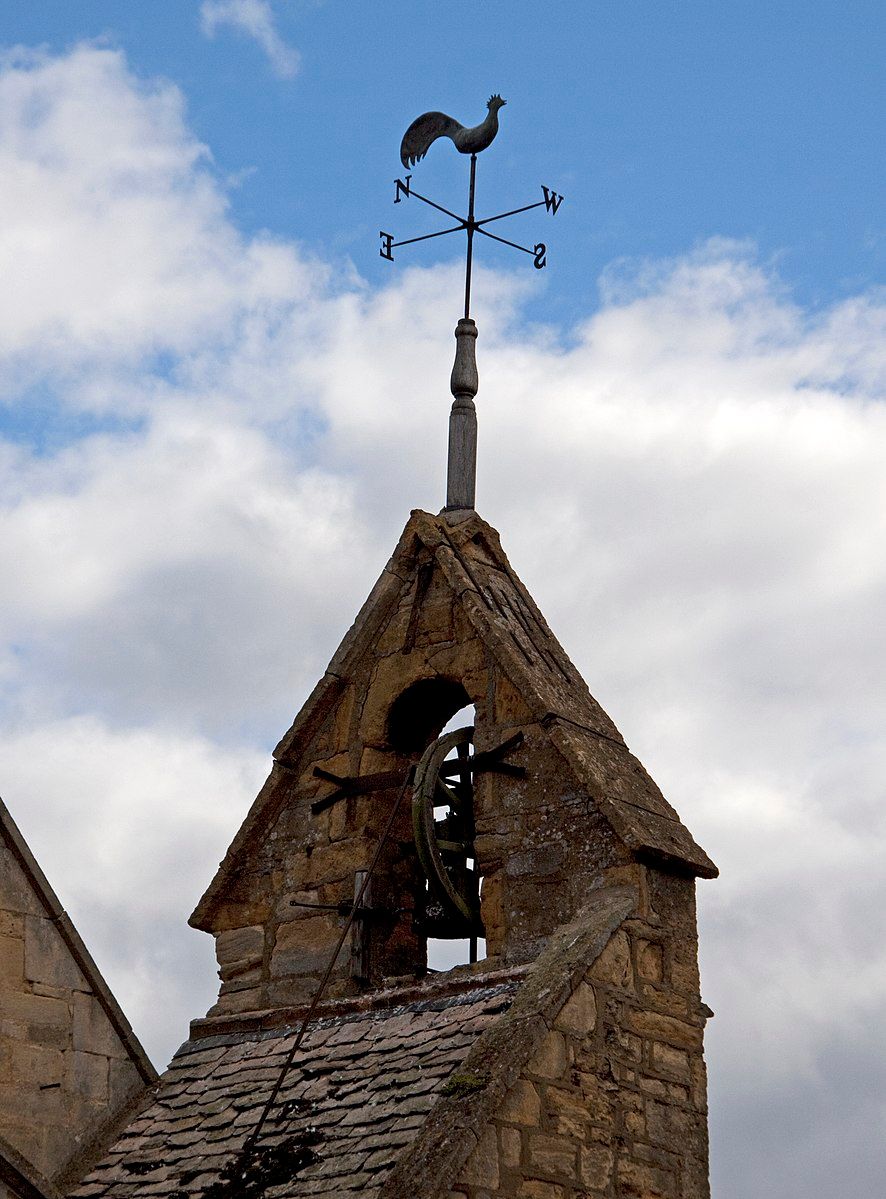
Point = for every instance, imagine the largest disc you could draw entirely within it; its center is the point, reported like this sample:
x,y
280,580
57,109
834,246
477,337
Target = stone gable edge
x,y
75,946
429,1167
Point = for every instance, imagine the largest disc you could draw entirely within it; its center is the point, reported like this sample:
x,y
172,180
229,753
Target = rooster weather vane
x,y
417,140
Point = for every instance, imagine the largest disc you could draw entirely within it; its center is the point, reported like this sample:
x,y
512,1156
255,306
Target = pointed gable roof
x,y
56,1004
508,623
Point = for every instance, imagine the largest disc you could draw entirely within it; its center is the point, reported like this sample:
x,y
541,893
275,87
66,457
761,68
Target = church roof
x,y
507,621
386,1097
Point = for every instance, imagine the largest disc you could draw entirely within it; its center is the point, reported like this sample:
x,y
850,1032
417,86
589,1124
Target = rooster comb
x,y
493,97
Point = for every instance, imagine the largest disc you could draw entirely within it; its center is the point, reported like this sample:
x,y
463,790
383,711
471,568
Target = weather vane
x,y
461,479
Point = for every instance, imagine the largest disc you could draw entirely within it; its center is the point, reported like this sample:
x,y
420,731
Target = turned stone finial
x,y
462,471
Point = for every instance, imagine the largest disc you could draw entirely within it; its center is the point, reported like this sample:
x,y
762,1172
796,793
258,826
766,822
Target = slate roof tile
x,y
360,1086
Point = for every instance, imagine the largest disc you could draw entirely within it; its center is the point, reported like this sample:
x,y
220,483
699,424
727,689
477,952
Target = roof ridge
x,y
271,1020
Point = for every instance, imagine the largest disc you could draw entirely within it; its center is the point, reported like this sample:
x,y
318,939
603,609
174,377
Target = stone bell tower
x,y
565,1063
506,827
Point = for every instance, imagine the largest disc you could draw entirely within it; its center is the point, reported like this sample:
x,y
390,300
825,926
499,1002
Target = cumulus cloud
x,y
255,18
690,482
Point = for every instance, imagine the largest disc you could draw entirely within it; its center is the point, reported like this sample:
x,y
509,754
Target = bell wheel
x,y
443,822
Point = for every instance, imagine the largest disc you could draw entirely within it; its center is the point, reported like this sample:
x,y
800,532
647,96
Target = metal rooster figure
x,y
417,140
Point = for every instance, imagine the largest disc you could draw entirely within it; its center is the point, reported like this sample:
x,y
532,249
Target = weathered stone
x,y
645,1182
567,1113
37,1065
579,1014
533,1189
481,1169
595,1166
87,1075
47,958
240,944
613,966
650,961
510,1148
552,1157
303,946
550,1058
92,1030
521,1105
665,1028
674,1062
12,962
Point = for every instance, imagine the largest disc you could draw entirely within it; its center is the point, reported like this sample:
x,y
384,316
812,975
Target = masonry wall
x,y
613,1102
540,840
64,1071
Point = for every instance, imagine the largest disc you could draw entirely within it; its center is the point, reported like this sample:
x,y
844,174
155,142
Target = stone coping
x,y
433,988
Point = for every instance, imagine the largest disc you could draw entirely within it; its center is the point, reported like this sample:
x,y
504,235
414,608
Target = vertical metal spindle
x,y
470,229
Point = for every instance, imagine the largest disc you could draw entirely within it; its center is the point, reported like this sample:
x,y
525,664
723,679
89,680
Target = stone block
x,y
566,1113
521,1105
47,957
684,974
510,707
12,962
481,1168
656,1026
550,1058
510,1148
304,946
668,1126
233,1002
37,1012
638,1180
36,1066
335,863
552,1158
16,893
669,1060
613,966
535,1189
11,924
650,961
238,945
595,1164
86,1075
92,1030
124,1081
579,1014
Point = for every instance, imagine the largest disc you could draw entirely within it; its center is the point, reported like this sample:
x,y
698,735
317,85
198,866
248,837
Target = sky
x,y
218,405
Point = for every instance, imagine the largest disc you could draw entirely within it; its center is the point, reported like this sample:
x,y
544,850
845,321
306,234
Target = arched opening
x,y
419,714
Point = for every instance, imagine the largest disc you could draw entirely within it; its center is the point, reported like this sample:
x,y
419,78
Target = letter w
x,y
552,200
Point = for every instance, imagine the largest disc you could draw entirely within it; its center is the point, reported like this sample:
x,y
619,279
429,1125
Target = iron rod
x,y
439,207
501,216
427,236
470,228
504,241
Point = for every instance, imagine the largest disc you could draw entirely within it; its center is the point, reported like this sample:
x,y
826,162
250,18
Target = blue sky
x,y
664,124
218,404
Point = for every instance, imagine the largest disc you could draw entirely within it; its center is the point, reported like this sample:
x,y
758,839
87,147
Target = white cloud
x,y
121,814
691,486
114,239
255,18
